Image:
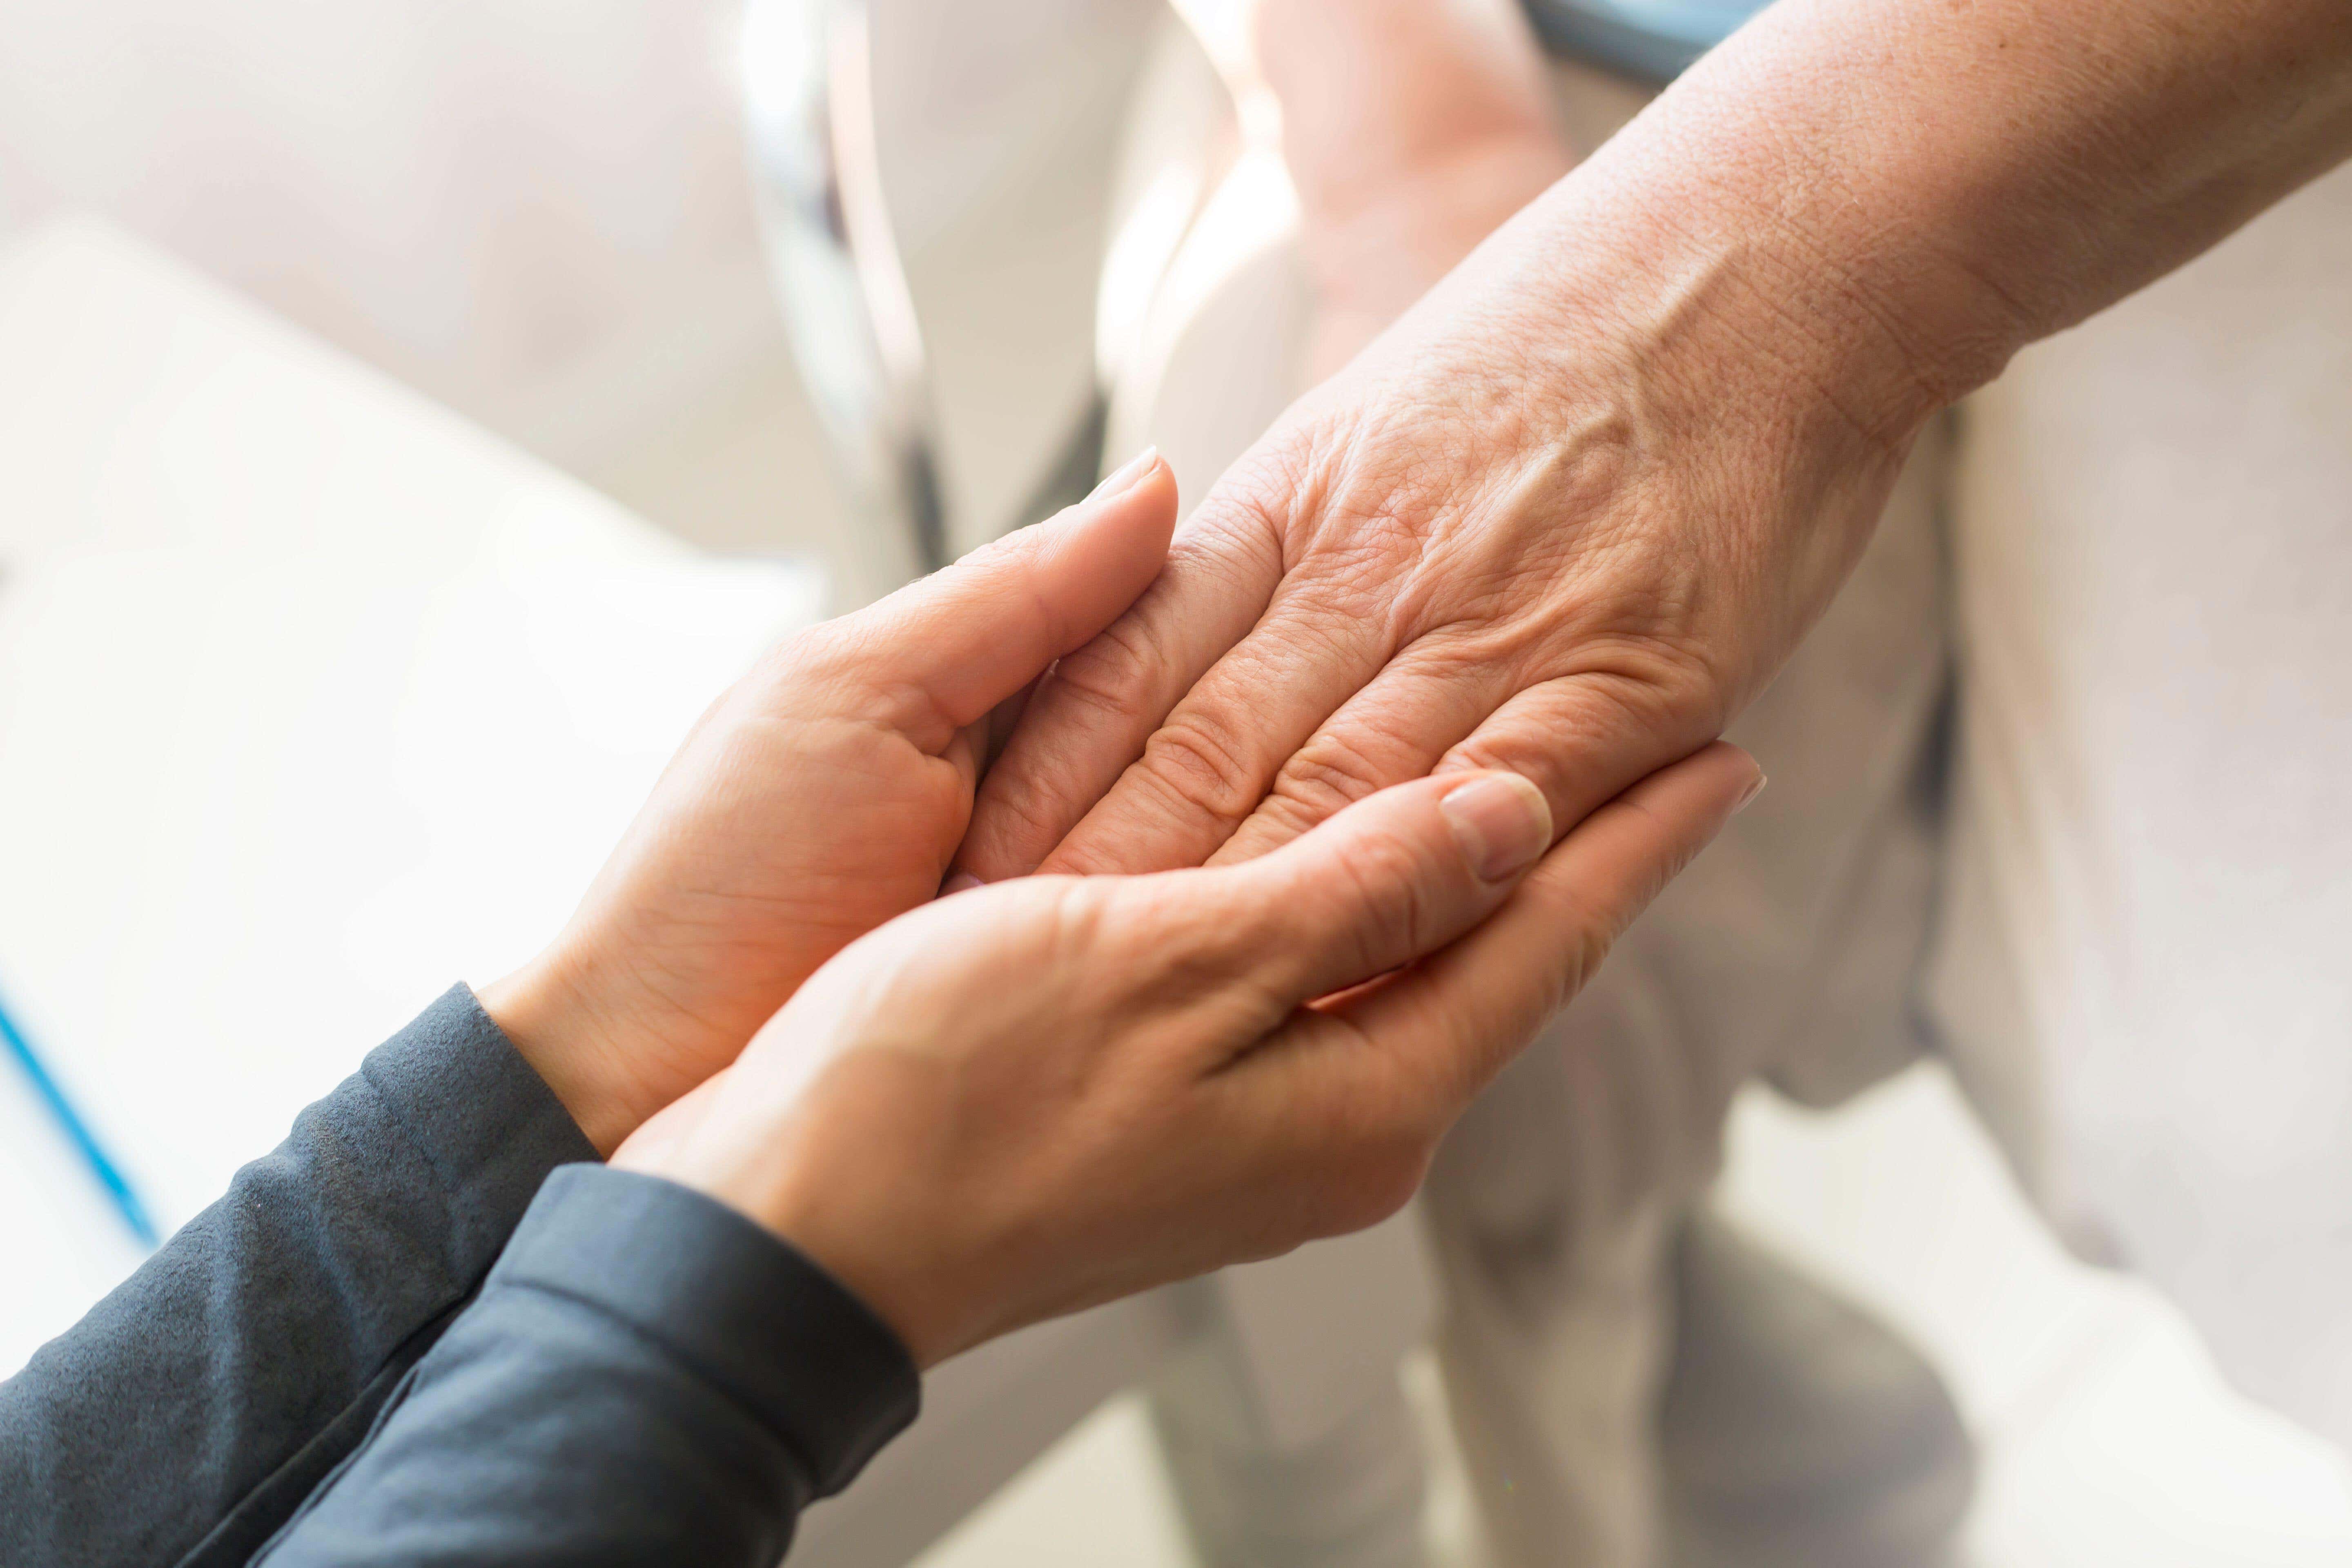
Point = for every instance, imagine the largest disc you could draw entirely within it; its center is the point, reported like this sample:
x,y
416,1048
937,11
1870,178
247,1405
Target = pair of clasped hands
x,y
1022,1098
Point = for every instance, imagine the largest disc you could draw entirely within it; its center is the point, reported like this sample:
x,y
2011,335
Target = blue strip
x,y
1655,40
110,1176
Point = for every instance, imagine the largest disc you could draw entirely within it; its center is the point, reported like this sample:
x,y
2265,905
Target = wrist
x,y
768,1165
1884,326
1904,236
551,1013
1748,314
1659,320
1609,359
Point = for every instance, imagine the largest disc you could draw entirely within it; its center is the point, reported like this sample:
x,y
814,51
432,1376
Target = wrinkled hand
x,y
1569,554
1536,528
821,795
1023,1099
1575,508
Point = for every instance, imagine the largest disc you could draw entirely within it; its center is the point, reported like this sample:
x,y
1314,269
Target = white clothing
x,y
2146,965
1787,948
2137,862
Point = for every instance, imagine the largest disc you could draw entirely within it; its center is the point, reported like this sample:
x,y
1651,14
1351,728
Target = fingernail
x,y
1753,791
1123,477
1502,823
962,883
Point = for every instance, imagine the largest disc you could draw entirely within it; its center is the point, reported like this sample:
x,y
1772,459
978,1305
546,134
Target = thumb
x,y
1459,1017
942,652
1394,877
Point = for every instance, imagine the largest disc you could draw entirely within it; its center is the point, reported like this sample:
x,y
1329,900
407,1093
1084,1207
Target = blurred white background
x,y
538,214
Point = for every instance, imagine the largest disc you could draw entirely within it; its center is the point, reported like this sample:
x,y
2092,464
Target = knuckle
x,y
1199,942
1021,815
1334,769
1107,678
1371,571
1593,712
1242,525
814,654
1192,954
1594,938
1205,762
1660,673
1277,820
1007,556
1631,689
1329,774
1379,878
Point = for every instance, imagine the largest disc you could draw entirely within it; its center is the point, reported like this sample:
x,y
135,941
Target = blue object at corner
x,y
69,1120
1654,40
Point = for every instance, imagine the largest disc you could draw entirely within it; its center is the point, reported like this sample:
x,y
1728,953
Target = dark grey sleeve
x,y
648,1378
189,1413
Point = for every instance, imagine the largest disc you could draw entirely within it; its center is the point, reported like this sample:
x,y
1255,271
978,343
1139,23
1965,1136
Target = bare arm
x,y
1934,187
1576,508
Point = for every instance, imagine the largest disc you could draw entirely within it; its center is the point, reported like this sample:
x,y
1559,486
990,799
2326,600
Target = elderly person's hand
x,y
1020,1101
821,795
1575,508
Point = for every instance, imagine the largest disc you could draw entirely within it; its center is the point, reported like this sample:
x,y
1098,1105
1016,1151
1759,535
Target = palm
x,y
822,797
819,829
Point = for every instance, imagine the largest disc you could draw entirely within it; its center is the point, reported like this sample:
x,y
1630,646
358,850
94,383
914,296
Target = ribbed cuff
x,y
486,1123
741,1310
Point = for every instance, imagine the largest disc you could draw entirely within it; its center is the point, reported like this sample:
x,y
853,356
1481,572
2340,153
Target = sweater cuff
x,y
737,1306
486,1123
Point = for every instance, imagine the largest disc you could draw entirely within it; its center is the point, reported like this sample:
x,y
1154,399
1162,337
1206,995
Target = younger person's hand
x,y
1030,1098
821,795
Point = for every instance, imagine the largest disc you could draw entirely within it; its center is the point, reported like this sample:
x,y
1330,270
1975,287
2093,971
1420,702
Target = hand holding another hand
x,y
1563,518
1025,1098
1030,1098
1577,506
1574,561
820,796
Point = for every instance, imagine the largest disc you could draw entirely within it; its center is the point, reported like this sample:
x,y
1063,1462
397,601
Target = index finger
x,y
942,653
1097,712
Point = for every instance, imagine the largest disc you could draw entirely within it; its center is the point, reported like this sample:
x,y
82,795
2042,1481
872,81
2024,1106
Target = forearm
x,y
1898,197
1575,508
647,1378
188,1414
1730,322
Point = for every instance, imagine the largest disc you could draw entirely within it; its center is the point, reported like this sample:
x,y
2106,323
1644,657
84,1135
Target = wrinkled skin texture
x,y
1172,1084
1448,557
1564,518
1577,506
